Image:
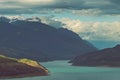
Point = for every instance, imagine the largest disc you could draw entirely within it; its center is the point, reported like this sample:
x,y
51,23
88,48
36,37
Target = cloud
x,y
115,1
109,31
36,1
44,3
77,6
51,21
87,12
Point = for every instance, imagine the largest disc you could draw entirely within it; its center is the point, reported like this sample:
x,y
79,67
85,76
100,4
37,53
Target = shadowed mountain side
x,y
106,57
41,42
11,68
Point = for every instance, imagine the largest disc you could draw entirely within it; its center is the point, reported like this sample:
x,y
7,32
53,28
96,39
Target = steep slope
x,y
11,68
106,57
40,42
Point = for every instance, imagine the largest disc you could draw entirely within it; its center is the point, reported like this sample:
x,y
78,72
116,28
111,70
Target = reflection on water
x,y
61,70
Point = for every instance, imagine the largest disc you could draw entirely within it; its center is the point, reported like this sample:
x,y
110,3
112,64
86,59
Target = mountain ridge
x,y
109,57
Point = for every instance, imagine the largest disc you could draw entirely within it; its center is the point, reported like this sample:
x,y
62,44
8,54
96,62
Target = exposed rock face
x,y
38,41
10,68
106,57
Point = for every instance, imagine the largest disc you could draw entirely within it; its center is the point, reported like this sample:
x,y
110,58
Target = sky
x,y
97,21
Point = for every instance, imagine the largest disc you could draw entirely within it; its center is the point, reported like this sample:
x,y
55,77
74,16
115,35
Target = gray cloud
x,y
115,1
38,6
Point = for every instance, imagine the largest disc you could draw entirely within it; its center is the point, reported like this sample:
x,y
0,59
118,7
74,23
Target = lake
x,y
62,70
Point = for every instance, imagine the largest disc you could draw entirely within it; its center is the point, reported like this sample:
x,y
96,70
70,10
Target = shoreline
x,y
22,76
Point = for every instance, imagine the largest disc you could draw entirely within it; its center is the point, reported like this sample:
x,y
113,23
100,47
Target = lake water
x,y
61,70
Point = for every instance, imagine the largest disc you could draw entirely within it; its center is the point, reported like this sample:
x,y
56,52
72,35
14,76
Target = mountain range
x,y
29,38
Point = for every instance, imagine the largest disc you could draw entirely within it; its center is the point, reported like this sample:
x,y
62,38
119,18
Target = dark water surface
x,y
61,70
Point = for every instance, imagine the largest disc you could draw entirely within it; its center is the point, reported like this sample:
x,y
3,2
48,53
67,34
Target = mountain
x,y
11,68
104,44
5,19
35,40
106,57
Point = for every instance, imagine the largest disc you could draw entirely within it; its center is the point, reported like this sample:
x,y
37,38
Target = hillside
x,y
38,41
109,57
11,68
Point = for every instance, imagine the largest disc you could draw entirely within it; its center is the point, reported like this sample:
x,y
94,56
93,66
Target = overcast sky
x,y
91,19
101,7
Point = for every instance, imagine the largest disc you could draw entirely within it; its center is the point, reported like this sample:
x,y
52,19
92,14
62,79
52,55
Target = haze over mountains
x,y
32,39
109,57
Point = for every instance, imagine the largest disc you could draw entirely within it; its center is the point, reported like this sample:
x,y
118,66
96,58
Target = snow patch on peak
x,y
33,19
11,19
